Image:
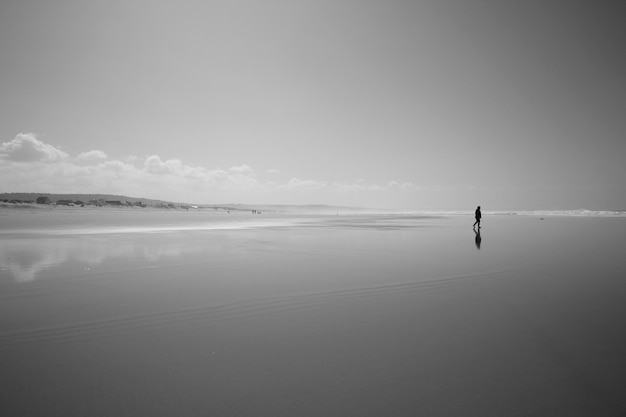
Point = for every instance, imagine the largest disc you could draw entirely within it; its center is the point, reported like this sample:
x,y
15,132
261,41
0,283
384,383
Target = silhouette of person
x,y
478,216
478,239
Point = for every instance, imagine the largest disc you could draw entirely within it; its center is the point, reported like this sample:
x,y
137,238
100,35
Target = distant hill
x,y
32,197
85,198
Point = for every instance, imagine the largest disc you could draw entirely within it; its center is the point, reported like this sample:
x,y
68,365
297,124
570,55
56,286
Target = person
x,y
478,215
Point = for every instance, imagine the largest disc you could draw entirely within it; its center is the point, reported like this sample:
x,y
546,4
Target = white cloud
x,y
241,170
26,163
357,186
273,171
298,184
25,147
154,165
92,156
406,186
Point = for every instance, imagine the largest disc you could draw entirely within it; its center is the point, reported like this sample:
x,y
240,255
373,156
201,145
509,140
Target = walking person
x,y
477,215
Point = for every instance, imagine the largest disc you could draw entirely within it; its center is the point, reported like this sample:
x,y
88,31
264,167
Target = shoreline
x,y
262,209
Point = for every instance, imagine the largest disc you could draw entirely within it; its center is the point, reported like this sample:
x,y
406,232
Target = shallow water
x,y
336,315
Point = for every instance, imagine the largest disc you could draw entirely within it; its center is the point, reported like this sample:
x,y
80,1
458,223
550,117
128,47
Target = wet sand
x,y
178,313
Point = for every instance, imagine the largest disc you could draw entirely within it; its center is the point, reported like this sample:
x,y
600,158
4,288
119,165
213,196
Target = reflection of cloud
x,y
24,263
30,259
170,250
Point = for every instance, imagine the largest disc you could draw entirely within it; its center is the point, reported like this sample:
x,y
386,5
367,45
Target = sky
x,y
435,104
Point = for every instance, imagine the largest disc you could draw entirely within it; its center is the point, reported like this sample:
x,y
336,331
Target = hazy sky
x,y
441,104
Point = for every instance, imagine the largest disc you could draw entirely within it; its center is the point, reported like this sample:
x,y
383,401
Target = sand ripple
x,y
221,313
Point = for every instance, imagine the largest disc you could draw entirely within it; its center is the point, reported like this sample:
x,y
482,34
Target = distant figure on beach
x,y
478,215
478,238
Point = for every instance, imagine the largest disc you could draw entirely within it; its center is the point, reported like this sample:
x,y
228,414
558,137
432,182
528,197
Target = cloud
x,y
25,147
154,165
298,184
357,186
241,170
152,176
92,156
273,171
406,186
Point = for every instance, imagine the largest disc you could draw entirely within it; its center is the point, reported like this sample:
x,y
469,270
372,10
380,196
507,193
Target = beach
x,y
135,312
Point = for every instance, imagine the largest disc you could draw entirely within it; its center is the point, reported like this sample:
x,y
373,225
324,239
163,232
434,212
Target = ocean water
x,y
168,314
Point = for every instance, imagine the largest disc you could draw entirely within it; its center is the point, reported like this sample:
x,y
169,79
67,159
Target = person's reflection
x,y
478,238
